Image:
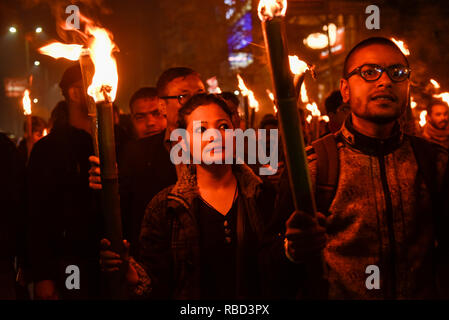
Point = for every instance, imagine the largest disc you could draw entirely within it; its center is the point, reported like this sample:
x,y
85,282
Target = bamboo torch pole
x,y
291,131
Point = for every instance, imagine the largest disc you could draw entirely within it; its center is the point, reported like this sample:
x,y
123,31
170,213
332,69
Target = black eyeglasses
x,y
182,98
372,72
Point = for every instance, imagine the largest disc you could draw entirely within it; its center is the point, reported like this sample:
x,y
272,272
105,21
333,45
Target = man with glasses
x,y
383,214
175,86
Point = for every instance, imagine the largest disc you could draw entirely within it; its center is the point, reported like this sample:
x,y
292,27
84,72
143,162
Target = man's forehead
x,y
439,107
189,83
146,103
380,54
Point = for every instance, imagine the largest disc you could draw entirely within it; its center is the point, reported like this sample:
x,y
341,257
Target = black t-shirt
x,y
218,245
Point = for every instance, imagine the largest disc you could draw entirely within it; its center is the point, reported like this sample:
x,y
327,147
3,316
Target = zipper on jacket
x,y
391,280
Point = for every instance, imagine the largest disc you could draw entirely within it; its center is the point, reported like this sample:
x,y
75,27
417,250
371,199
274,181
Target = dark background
x,y
154,35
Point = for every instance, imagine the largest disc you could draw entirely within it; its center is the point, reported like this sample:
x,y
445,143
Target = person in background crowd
x,y
233,102
436,128
146,114
64,221
336,110
12,216
39,129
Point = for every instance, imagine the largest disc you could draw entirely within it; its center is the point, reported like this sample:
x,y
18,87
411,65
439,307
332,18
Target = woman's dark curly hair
x,y
198,100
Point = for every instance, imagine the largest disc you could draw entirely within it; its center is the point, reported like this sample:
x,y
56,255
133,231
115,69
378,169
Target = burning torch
x,y
249,102
271,13
103,88
26,103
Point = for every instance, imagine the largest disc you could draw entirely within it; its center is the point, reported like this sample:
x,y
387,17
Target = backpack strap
x,y
327,171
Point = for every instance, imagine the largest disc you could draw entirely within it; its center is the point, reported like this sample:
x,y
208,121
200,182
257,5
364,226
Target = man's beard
x,y
379,118
441,125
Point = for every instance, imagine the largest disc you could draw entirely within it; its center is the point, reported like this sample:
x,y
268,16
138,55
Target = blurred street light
x,y
12,29
38,30
36,63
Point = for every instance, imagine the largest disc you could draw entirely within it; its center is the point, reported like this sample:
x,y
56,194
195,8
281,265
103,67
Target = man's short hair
x,y
70,76
230,96
142,93
433,103
368,42
37,124
333,101
170,74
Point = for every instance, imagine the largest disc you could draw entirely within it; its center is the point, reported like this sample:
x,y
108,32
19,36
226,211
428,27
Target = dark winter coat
x,y
170,249
65,222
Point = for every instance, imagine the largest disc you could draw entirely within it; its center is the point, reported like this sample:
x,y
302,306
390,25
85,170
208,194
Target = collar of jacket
x,y
369,145
186,190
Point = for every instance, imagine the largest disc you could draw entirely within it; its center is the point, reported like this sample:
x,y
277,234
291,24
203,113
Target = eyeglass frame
x,y
383,69
179,97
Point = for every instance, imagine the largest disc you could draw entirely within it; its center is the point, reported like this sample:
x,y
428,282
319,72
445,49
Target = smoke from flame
x,y
26,102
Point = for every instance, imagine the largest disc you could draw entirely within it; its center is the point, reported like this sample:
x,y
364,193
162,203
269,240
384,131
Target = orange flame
x,y
325,118
314,109
402,46
26,102
435,84
253,103
268,9
309,118
100,48
304,96
297,66
61,50
443,96
413,103
104,82
271,96
422,118
44,133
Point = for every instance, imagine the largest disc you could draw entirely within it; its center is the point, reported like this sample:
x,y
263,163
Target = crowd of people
x,y
222,231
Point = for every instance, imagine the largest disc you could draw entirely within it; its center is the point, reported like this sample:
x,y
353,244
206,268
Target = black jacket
x,y
65,223
12,183
144,170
